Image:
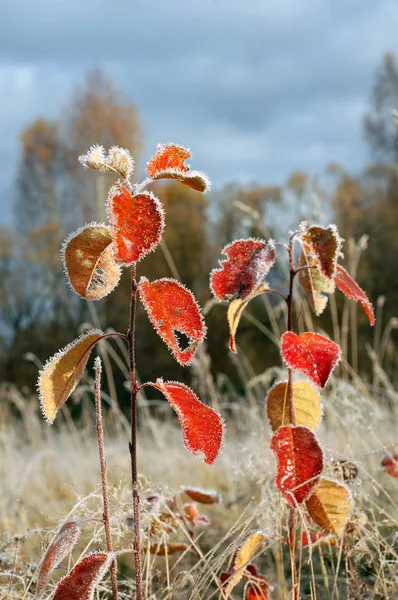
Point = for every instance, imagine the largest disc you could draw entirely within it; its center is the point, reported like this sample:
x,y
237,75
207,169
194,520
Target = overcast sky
x,y
256,88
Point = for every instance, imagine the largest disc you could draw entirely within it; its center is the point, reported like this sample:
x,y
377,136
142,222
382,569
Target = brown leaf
x,y
61,373
307,405
88,257
81,582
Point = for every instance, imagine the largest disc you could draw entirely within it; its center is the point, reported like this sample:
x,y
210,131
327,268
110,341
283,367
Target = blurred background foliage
x,y
53,196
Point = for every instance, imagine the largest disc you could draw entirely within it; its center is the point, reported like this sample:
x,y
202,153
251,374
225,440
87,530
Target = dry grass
x,y
48,475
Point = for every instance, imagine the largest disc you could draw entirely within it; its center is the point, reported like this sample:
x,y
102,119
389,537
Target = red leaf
x,y
311,354
390,464
171,307
202,427
259,590
136,223
318,539
81,582
300,462
63,544
168,162
351,289
248,263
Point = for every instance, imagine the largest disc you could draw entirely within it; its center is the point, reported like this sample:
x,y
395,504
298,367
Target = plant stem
x,y
100,435
133,442
292,418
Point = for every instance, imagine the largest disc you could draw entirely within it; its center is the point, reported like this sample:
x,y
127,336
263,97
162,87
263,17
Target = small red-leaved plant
x,y
294,409
93,257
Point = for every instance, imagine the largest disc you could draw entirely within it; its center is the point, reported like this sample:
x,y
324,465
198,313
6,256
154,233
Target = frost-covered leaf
x,y
307,405
202,427
314,284
88,257
202,496
81,582
351,289
167,549
235,311
311,354
171,309
137,223
66,539
300,462
316,539
118,161
242,557
61,373
346,469
323,244
390,465
248,262
330,505
258,588
168,163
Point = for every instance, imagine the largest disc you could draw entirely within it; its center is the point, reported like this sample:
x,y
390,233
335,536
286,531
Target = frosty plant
x,y
93,257
294,408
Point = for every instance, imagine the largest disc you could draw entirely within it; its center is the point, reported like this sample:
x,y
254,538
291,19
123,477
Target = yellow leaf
x,y
307,405
243,557
329,505
235,311
88,257
62,373
314,284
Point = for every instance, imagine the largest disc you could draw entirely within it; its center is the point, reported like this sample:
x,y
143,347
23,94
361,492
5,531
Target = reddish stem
x,y
133,442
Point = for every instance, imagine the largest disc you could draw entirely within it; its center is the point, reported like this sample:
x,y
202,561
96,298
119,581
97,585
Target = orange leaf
x,y
242,557
300,462
202,496
202,427
171,307
323,244
311,353
235,311
88,257
81,582
317,539
136,223
242,272
351,289
61,373
307,405
63,544
330,505
168,163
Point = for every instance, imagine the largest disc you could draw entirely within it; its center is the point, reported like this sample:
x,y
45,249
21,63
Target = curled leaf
x,y
300,462
202,427
317,539
172,308
235,311
307,405
202,496
168,163
118,161
346,469
311,354
61,373
81,582
330,505
166,549
351,289
242,557
88,258
314,284
323,244
137,223
65,540
248,262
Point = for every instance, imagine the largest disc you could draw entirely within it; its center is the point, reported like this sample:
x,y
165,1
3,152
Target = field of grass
x,y
50,474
